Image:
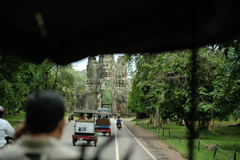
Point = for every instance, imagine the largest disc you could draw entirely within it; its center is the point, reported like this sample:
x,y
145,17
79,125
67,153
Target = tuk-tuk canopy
x,y
103,113
85,111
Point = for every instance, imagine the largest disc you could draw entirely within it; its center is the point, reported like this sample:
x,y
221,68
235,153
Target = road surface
x,y
118,146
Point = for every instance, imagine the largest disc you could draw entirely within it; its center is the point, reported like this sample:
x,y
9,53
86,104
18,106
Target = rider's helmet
x,y
1,111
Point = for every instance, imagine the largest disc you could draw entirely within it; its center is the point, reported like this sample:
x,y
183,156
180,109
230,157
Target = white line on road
x,y
140,144
116,142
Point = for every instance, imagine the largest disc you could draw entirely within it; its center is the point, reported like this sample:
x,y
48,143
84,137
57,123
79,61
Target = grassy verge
x,y
228,128
15,120
129,118
232,131
209,138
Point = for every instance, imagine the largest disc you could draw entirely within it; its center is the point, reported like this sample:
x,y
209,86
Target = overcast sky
x,y
82,64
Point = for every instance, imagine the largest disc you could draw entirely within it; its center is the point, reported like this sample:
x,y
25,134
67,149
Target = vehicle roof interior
x,y
68,31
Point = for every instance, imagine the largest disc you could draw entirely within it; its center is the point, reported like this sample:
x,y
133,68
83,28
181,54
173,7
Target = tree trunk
x,y
157,118
141,115
46,80
151,119
206,124
180,122
191,129
160,121
55,82
211,125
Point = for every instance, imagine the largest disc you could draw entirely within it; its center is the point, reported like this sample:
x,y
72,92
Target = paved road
x,y
115,147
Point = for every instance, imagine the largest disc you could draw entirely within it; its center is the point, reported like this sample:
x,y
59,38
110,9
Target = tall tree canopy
x,y
164,80
18,78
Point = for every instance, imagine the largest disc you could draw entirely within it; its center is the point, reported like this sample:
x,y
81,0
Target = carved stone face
x,y
106,69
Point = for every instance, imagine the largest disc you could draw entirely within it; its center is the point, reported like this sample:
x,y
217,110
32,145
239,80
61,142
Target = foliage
x,y
18,78
227,83
106,96
164,80
138,101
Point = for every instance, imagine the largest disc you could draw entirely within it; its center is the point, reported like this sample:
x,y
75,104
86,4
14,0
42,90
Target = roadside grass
x,y
15,120
232,131
129,118
217,122
210,138
228,128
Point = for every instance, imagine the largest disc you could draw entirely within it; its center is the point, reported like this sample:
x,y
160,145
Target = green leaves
x,y
167,75
18,78
226,84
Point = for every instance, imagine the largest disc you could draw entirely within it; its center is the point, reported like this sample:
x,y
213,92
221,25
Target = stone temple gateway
x,y
106,73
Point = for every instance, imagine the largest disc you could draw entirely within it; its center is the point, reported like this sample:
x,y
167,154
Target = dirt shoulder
x,y
152,142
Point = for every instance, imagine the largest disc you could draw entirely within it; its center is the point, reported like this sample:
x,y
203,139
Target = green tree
x,y
18,78
227,82
164,80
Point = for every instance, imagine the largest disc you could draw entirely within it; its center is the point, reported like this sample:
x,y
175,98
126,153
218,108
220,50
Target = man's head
x,y
44,113
106,117
1,112
90,115
81,115
118,117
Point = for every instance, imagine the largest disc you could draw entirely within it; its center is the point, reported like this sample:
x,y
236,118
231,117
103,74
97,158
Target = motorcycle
x,y
9,141
70,117
119,126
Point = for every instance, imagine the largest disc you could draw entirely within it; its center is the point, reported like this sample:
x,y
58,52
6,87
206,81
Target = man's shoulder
x,y
52,149
64,152
10,152
4,121
59,152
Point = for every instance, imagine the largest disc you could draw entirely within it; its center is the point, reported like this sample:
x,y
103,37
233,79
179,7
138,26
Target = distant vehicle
x,y
71,117
103,110
85,130
103,124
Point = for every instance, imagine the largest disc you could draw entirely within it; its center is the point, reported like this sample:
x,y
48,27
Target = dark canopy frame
x,y
70,31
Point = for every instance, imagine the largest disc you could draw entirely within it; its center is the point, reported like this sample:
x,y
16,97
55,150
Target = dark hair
x,y
106,116
89,115
44,110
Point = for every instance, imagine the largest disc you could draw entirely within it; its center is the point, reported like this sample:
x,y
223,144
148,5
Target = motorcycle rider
x,y
5,129
119,121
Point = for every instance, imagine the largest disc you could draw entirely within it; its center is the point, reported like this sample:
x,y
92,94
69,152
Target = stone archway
x,y
106,73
